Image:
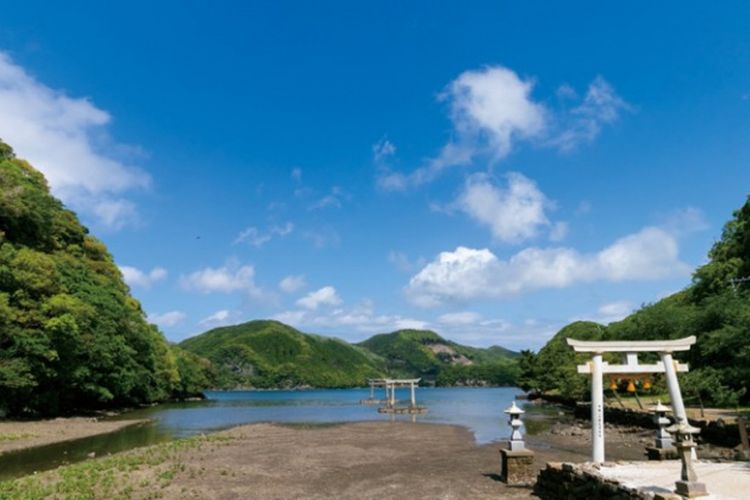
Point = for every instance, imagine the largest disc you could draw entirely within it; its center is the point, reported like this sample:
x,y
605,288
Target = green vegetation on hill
x,y
426,354
71,336
268,354
715,308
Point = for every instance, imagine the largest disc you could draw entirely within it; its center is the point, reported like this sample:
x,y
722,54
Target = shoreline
x,y
371,459
20,435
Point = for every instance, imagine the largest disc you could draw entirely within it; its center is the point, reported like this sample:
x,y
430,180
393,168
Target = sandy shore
x,y
369,460
21,435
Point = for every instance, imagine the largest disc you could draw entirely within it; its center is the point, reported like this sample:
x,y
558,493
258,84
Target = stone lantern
x,y
664,447
688,485
516,461
516,439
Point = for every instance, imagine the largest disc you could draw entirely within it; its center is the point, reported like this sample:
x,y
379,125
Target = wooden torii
x,y
629,349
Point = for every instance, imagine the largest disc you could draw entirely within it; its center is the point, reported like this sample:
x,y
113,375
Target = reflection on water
x,y
478,409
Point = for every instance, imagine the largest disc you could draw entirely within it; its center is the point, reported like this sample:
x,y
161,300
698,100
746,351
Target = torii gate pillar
x,y
597,408
629,349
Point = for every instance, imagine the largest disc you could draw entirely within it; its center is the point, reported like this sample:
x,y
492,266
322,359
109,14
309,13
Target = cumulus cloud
x,y
326,296
489,109
292,283
167,319
62,136
513,212
134,277
226,279
468,273
492,109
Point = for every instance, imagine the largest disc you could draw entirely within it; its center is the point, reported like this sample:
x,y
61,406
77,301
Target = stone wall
x,y
715,432
564,481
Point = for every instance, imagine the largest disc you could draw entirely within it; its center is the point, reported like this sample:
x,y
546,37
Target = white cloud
x,y
328,201
514,212
492,109
583,123
460,318
226,279
168,319
468,273
382,150
324,296
614,311
219,318
292,283
134,277
489,108
607,313
252,236
257,238
64,137
360,318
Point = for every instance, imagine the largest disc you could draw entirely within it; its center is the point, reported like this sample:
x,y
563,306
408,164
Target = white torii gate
x,y
630,349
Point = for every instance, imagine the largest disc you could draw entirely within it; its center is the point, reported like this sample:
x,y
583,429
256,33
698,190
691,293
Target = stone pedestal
x,y
654,453
517,467
691,489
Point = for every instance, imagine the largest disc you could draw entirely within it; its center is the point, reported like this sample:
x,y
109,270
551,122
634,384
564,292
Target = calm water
x,y
478,409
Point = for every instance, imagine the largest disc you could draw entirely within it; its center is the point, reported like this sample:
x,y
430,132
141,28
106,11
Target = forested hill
x,y
267,353
426,354
715,308
71,336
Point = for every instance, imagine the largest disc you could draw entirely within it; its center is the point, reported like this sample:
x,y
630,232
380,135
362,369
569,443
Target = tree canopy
x,y
71,336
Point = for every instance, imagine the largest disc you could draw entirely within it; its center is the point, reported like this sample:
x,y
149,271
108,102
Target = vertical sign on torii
x,y
629,349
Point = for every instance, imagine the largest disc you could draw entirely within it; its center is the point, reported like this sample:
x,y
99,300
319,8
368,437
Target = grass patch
x,y
5,438
121,476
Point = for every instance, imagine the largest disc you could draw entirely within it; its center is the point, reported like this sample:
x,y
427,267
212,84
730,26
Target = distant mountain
x,y
426,354
270,354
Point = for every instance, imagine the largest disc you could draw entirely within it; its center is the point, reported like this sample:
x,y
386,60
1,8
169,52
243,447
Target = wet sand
x,y
21,435
368,460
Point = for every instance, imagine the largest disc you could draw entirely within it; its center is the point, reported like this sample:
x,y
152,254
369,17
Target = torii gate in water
x,y
629,349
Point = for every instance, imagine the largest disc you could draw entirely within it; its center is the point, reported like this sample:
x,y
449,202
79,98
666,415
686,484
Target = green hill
x,y
715,308
426,354
71,336
268,354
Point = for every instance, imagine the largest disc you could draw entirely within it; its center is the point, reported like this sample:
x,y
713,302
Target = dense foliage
x,y
71,336
268,354
715,308
423,353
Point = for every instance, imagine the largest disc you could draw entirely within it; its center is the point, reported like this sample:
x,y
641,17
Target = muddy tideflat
x,y
30,434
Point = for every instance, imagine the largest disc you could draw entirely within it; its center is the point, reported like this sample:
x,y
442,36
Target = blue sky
x,y
490,171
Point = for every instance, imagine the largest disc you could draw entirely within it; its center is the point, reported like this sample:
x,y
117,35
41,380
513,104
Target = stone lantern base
x,y
654,453
517,467
691,489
